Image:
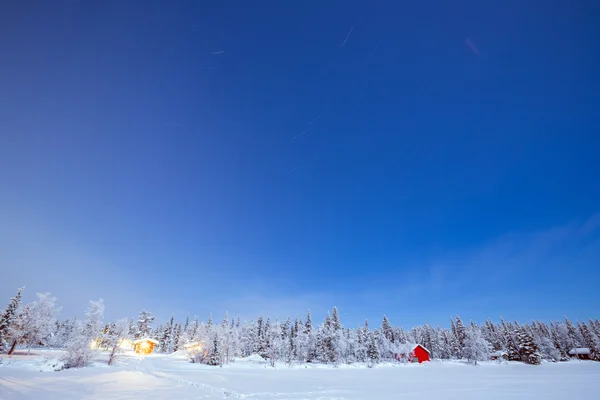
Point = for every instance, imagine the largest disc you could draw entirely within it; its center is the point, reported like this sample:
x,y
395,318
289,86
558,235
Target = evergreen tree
x,y
215,356
335,320
477,348
132,329
373,350
386,329
194,329
591,341
528,350
310,339
7,319
176,337
461,336
546,345
145,319
166,338
512,348
574,334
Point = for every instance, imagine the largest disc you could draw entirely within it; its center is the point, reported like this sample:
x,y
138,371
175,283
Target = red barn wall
x,y
421,354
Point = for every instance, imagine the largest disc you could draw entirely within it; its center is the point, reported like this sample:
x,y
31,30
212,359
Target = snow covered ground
x,y
172,377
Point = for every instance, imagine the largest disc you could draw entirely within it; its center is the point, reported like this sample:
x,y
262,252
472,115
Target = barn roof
x,y
499,353
580,350
145,340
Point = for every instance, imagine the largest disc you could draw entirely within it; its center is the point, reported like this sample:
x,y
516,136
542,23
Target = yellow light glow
x,y
144,345
94,344
125,344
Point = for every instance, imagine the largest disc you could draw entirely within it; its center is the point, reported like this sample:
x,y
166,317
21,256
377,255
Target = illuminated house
x,y
144,346
195,347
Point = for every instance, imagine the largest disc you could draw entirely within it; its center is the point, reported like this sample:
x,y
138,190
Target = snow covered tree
x,y
543,340
145,319
18,328
40,321
591,341
311,339
194,329
372,349
276,343
7,319
215,356
527,348
512,347
79,349
461,336
477,348
176,339
62,332
386,329
165,340
112,339
574,334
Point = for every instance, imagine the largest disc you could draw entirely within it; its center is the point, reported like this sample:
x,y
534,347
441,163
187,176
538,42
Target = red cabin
x,y
418,354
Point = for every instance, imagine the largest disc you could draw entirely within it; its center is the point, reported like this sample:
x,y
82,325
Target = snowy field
x,y
172,377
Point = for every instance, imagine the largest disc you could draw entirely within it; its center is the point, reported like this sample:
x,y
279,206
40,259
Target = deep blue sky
x,y
137,166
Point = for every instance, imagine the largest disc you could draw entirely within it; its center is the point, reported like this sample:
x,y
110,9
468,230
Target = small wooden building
x,y
417,354
144,346
499,355
583,353
420,354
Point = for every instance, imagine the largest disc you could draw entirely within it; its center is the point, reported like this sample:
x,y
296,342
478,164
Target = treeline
x,y
292,341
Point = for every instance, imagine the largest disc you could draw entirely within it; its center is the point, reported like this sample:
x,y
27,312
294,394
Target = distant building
x,y
144,346
583,353
418,354
497,355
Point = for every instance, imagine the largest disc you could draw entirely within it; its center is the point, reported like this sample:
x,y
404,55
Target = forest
x,y
292,341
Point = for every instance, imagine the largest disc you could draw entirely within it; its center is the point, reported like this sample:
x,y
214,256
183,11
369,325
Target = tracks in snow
x,y
145,366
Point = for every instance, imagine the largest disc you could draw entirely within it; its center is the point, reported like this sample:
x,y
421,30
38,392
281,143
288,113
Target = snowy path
x,y
159,377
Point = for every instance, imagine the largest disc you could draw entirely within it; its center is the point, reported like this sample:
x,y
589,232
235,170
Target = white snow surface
x,y
157,377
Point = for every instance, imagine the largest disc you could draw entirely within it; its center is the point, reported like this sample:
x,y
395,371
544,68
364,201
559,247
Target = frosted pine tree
x,y
176,339
145,319
165,340
7,319
311,339
564,338
477,348
215,353
555,336
527,348
372,350
386,329
544,342
461,336
574,334
194,329
591,341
